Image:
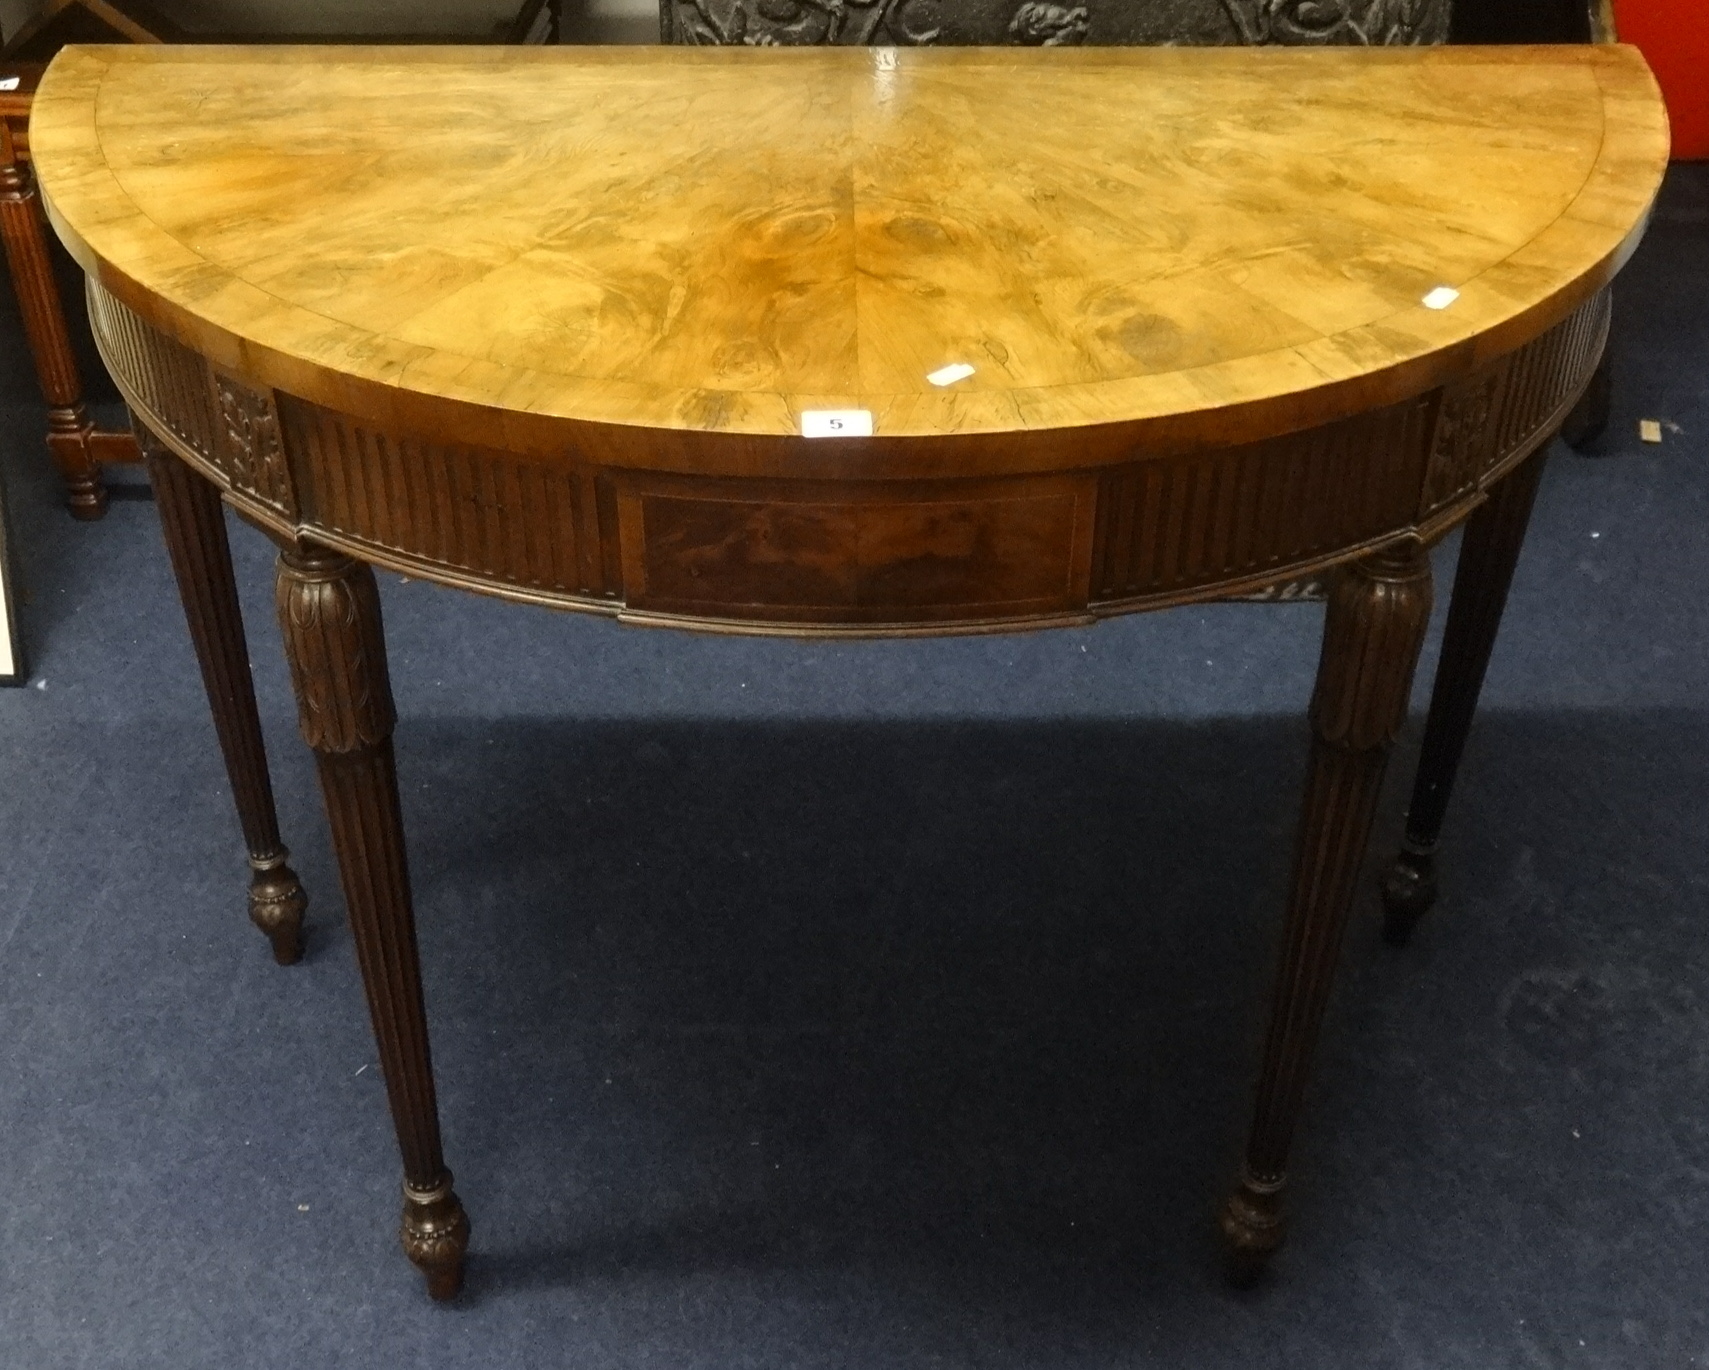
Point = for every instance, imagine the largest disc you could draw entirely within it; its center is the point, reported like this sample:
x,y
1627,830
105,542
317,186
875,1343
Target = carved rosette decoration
x,y
329,610
1457,453
254,452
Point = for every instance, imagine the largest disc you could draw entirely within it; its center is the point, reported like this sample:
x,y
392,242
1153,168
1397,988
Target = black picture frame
x,y
14,665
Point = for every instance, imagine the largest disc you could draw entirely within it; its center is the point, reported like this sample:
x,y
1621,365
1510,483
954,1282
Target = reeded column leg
x,y
329,610
71,433
194,526
1377,612
1489,551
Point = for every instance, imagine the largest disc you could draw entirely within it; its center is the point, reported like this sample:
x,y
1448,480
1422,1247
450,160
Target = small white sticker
x,y
1441,297
1649,430
836,423
949,375
10,83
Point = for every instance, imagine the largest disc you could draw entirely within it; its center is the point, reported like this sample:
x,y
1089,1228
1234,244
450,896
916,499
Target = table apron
x,y
840,557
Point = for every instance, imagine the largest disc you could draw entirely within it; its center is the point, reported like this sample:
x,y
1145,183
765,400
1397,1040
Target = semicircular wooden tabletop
x,y
716,242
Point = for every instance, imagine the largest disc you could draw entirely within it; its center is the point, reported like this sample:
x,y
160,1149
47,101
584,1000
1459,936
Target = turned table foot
x,y
435,1235
277,904
1489,551
1377,612
329,610
193,524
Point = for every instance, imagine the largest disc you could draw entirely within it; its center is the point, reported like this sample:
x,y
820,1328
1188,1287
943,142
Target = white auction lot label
x,y
836,423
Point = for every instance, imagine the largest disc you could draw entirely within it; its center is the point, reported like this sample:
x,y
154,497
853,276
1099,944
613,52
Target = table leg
x,y
71,434
329,610
193,522
1377,612
1588,419
1489,550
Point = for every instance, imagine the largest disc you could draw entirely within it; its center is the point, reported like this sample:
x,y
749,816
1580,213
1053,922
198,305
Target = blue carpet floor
x,y
872,1004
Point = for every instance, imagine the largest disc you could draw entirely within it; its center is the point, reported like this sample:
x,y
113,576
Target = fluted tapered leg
x,y
329,610
1377,612
1489,551
193,524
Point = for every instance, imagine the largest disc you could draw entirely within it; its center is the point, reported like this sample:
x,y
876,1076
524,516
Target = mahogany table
x,y
79,449
1130,328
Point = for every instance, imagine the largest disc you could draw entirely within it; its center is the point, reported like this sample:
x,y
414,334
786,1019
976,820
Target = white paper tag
x,y
836,423
10,82
949,375
1441,297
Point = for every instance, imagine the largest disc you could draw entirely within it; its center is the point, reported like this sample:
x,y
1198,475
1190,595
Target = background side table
x,y
79,448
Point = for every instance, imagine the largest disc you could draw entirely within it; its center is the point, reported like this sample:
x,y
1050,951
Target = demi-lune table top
x,y
719,241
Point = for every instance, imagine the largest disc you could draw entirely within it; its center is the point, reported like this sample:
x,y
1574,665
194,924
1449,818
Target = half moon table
x,y
849,341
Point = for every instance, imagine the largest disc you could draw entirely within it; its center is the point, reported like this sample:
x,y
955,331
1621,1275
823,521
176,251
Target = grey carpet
x,y
872,1004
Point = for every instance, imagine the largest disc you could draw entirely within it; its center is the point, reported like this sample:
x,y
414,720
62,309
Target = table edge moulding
x,y
663,496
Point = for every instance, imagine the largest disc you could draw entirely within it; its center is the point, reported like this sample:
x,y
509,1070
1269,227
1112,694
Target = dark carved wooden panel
x,y
1460,449
466,508
1503,409
1175,522
251,448
802,552
1044,23
172,382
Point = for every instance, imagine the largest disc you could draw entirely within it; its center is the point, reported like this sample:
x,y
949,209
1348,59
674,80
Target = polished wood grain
x,y
687,242
543,325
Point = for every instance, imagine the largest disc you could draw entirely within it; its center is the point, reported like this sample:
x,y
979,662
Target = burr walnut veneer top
x,y
714,241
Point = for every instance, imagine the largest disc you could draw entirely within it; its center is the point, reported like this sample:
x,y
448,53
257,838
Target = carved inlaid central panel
x,y
982,550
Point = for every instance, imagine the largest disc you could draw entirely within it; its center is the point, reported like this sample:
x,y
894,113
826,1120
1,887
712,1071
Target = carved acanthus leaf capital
x,y
329,611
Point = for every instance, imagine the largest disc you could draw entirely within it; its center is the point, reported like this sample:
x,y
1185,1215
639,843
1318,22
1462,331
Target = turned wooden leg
x,y
329,610
1489,551
71,435
194,526
1377,612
